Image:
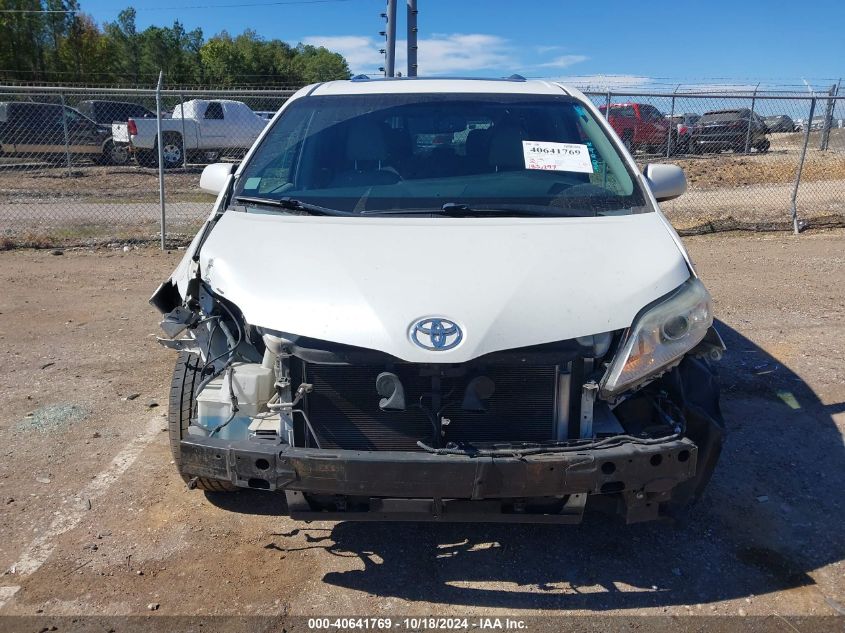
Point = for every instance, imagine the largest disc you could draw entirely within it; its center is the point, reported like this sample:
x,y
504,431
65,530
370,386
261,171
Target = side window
x,y
649,113
623,111
214,111
282,152
73,117
50,115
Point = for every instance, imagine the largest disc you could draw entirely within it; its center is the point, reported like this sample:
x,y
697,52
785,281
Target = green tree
x,y
319,64
84,52
52,40
125,44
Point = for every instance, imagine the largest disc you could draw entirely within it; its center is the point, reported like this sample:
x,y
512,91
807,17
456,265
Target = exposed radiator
x,y
343,408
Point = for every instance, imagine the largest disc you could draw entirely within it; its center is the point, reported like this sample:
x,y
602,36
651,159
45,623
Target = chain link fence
x,y
68,174
753,161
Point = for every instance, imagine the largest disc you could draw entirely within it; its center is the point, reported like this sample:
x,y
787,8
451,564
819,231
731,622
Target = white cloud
x,y
441,53
726,87
564,61
362,53
605,82
460,52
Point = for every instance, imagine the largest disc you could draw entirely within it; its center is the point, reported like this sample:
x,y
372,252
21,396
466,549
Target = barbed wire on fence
x,y
80,165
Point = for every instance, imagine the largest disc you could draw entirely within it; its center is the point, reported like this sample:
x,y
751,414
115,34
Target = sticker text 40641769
x,y
550,156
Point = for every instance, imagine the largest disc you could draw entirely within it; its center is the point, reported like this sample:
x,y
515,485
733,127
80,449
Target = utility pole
x,y
390,32
412,38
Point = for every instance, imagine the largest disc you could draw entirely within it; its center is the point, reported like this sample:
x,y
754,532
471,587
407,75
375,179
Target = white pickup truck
x,y
202,129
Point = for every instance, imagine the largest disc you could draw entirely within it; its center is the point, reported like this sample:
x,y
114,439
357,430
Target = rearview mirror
x,y
214,177
665,181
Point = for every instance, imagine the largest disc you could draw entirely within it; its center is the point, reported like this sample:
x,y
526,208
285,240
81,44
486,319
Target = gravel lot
x,y
95,520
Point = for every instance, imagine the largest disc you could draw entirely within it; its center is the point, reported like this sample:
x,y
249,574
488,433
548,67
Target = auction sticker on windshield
x,y
557,156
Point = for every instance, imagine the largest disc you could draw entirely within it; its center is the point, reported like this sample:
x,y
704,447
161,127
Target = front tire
x,y
181,405
114,154
172,151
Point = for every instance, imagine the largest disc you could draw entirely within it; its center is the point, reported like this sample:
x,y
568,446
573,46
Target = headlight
x,y
660,336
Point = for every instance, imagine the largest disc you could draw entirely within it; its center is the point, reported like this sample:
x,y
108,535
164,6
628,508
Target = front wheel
x,y
172,152
186,377
114,154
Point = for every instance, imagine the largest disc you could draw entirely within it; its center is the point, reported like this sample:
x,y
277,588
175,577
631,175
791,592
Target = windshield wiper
x,y
291,204
460,210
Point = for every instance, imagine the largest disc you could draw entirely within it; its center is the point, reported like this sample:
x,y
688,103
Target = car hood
x,y
506,282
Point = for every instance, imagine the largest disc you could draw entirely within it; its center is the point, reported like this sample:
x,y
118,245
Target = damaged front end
x,y
625,421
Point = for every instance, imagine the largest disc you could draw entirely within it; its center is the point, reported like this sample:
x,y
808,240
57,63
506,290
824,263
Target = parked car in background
x,y
719,130
559,359
50,130
684,124
108,112
818,123
204,129
641,126
266,114
780,123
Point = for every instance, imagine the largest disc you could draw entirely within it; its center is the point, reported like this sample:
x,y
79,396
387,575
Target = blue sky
x,y
618,42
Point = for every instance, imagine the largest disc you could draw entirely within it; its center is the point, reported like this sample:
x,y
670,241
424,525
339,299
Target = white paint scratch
x,y
6,594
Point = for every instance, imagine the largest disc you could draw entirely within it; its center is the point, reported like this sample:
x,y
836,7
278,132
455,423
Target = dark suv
x,y
41,130
737,129
108,112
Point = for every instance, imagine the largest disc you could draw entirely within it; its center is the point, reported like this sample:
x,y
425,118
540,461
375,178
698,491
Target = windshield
x,y
395,153
724,115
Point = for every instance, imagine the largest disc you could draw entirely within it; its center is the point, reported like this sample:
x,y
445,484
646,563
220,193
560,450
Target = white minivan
x,y
447,299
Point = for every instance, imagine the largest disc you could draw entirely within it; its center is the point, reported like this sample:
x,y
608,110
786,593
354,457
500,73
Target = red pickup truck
x,y
640,126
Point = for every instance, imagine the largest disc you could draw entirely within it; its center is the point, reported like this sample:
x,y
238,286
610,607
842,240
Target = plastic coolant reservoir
x,y
253,387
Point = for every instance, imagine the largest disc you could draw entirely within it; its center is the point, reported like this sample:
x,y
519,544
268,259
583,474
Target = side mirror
x,y
665,181
214,177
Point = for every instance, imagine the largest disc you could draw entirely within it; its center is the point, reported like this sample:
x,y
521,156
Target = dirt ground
x,y
710,171
95,520
125,184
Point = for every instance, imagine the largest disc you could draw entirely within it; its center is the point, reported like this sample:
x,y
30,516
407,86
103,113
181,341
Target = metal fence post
x,y
671,124
750,120
828,118
160,154
67,138
412,38
184,138
607,106
390,64
795,224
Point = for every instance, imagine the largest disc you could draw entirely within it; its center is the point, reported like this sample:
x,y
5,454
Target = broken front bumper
x,y
633,478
